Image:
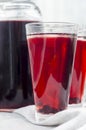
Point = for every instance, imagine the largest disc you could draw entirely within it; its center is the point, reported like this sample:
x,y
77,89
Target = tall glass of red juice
x,y
79,70
51,49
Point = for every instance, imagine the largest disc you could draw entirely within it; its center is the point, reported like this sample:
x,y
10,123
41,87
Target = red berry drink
x,y
15,79
79,72
51,59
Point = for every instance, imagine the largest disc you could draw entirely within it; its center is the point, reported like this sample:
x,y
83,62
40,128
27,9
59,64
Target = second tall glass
x,y
79,71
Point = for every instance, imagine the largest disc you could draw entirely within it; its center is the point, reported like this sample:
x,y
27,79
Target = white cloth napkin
x,y
74,118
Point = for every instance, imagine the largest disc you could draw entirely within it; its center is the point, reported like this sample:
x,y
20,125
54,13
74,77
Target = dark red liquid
x,y
79,73
15,79
51,57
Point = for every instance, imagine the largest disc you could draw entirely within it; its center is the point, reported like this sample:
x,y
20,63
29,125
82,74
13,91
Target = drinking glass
x,y
77,92
51,49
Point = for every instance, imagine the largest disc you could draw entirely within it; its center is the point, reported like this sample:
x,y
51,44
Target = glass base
x,y
40,117
7,110
75,105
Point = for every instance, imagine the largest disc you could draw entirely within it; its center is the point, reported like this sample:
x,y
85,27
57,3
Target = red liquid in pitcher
x,y
51,58
15,79
79,73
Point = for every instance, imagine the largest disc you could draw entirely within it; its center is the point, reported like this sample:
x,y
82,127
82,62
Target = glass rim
x,y
51,27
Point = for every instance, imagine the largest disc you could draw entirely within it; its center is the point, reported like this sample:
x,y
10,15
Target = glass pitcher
x,y
15,79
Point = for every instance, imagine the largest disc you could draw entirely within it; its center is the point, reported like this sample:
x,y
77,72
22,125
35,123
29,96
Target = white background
x,y
63,10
